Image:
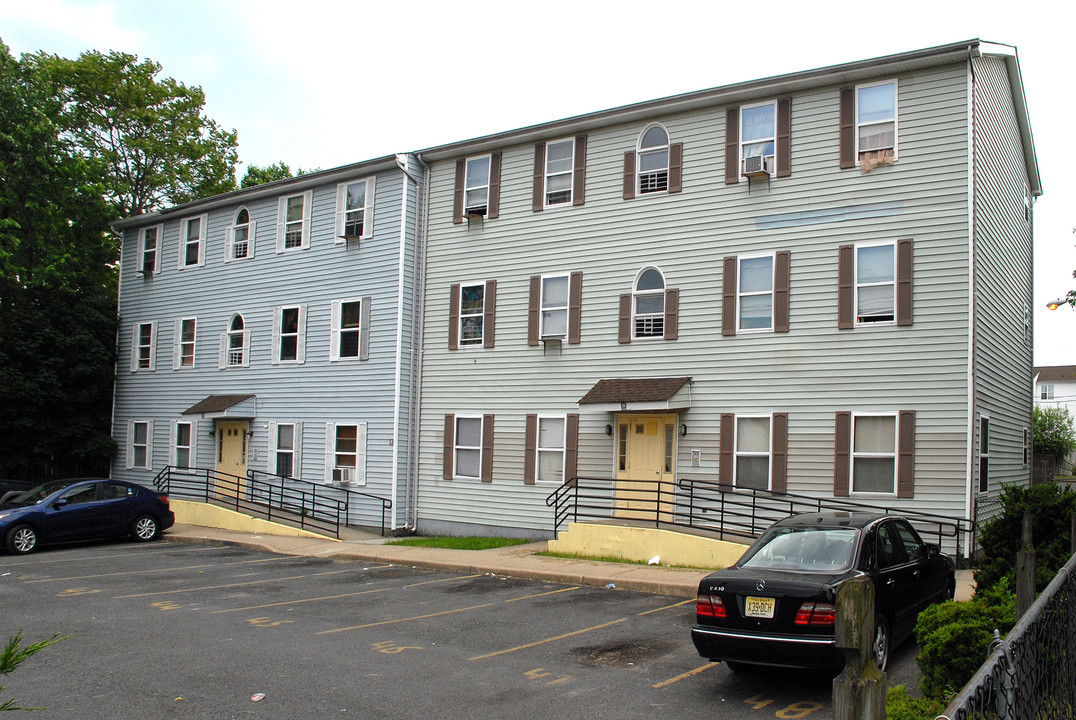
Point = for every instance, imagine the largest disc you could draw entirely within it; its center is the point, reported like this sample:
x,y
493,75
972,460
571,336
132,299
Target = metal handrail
x,y
283,480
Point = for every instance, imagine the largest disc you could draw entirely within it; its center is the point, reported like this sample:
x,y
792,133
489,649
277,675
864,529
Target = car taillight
x,y
816,614
163,499
710,606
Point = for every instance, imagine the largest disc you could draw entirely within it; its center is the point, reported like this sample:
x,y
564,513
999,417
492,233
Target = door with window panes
x,y
231,456
645,466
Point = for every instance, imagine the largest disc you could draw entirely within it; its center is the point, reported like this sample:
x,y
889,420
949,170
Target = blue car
x,y
70,510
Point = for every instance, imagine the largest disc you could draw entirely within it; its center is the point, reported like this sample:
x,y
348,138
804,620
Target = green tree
x,y
258,175
157,145
1053,430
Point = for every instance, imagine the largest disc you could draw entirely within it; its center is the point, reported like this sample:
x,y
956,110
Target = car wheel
x,y
145,528
950,588
880,646
740,667
21,540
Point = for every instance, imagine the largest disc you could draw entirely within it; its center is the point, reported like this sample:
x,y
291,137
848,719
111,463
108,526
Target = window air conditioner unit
x,y
342,475
756,166
474,213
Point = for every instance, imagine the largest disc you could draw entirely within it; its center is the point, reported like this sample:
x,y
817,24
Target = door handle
x,y
890,581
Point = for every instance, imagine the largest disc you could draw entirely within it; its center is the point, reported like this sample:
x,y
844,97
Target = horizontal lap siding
x,y
810,372
314,392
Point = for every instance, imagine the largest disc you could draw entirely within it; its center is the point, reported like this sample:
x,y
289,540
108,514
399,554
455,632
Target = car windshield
x,y
809,549
39,493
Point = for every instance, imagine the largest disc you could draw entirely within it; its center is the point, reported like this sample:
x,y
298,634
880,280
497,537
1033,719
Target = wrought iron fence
x,y
1031,674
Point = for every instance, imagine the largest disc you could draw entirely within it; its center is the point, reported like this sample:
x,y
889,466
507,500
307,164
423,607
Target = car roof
x,y
833,518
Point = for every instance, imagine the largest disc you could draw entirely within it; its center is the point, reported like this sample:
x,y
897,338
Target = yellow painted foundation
x,y
642,544
206,515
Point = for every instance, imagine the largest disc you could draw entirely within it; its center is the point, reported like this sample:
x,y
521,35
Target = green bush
x,y
899,705
954,638
1051,508
1053,431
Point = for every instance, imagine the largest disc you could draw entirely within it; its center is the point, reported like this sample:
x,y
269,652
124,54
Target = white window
x,y
648,302
653,160
149,247
876,122
468,447
984,454
1046,392
476,186
140,444
550,461
345,456
755,293
183,343
235,344
355,210
239,238
758,133
753,466
285,443
289,334
293,222
350,329
143,347
472,313
559,166
876,287
1027,446
184,440
192,241
874,453
554,306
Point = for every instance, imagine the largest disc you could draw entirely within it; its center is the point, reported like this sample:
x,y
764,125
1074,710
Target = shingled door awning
x,y
239,407
639,394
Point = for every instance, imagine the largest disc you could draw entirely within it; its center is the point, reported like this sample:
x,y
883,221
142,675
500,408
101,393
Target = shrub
x,y
1051,508
899,705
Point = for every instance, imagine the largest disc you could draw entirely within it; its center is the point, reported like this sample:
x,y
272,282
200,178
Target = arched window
x,y
648,304
653,159
237,342
240,240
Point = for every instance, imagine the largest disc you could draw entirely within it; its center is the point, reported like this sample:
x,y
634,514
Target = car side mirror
x,y
60,502
932,550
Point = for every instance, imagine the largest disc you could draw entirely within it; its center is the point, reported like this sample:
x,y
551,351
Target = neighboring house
x,y
817,283
1055,386
271,330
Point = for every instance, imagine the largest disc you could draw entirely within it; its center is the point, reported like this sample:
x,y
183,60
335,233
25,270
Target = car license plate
x,y
759,607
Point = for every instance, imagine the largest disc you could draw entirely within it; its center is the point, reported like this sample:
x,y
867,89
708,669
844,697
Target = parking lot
x,y
187,630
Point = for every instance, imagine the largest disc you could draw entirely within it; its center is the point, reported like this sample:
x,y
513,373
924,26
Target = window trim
x,y
570,173
740,294
131,445
895,455
229,236
336,332
538,449
279,335
1046,391
488,157
367,208
151,347
640,151
895,120
737,453
274,448
740,141
282,222
185,243
456,447
361,443
480,341
158,242
542,309
178,344
192,448
636,294
224,358
856,284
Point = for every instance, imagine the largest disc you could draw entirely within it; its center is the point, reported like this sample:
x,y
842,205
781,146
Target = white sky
x,y
323,84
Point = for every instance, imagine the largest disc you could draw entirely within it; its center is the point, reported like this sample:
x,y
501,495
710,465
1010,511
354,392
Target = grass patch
x,y
459,543
614,559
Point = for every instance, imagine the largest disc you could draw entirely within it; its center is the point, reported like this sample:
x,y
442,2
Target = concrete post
x,y
859,691
1025,570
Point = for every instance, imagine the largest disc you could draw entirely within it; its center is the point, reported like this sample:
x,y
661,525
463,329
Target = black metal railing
x,y
354,501
278,502
1032,672
728,512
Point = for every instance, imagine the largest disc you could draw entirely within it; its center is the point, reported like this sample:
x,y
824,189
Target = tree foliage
x,y
156,144
14,654
1053,431
258,175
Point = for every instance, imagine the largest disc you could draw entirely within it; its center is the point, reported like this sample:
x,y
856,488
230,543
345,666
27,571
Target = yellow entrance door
x,y
231,456
646,451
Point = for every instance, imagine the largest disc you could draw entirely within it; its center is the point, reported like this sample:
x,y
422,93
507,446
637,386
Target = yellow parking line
x,y
547,640
297,602
215,587
441,580
159,570
668,607
406,619
688,674
551,592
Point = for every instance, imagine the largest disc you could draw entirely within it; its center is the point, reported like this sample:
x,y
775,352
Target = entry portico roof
x,y
639,394
223,406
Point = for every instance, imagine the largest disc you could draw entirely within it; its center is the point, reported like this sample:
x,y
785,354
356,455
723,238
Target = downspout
x,y
417,326
969,501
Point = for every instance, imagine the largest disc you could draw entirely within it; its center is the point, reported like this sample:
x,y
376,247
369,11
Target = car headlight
x,y
4,515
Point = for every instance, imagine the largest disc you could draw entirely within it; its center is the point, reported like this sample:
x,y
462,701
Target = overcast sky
x,y
323,84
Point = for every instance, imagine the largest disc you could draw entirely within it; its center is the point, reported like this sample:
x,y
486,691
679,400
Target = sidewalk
x,y
515,560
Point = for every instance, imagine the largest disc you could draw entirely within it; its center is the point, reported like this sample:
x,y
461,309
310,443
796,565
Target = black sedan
x,y
776,605
69,510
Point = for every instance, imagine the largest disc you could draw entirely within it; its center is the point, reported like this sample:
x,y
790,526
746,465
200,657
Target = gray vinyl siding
x,y
1003,246
313,393
811,372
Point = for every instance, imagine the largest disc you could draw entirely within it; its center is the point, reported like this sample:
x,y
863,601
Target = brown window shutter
x,y
571,448
623,334
724,462
782,270
487,448
906,455
629,175
449,447
845,295
579,172
457,195
454,318
848,127
489,319
784,137
672,313
538,192
780,452
575,307
530,449
494,208
676,167
842,453
532,309
732,145
904,282
728,297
